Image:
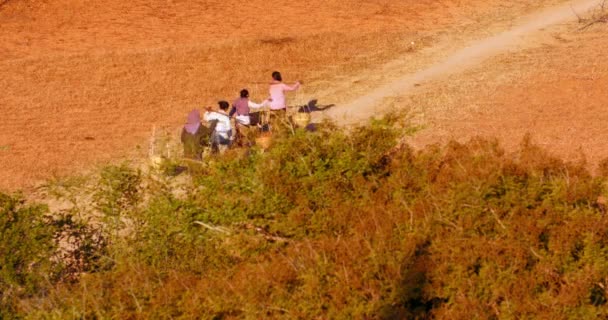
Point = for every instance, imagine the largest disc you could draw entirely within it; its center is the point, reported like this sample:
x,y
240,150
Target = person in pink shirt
x,y
277,92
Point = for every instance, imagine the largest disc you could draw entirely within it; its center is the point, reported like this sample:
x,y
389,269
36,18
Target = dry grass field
x,y
83,82
556,94
342,222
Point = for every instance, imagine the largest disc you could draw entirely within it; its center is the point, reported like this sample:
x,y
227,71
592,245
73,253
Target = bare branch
x,y
601,17
580,19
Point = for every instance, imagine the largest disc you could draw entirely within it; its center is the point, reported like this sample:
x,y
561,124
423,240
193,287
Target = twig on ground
x,y
603,19
213,228
497,219
283,310
264,233
535,254
247,226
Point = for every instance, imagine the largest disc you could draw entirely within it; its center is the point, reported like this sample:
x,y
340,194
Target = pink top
x,y
277,94
194,121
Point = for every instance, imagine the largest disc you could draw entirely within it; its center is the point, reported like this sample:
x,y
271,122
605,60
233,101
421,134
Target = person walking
x,y
277,92
242,108
221,138
195,136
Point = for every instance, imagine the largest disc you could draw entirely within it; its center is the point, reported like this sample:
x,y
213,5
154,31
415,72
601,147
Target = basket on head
x,y
301,119
264,140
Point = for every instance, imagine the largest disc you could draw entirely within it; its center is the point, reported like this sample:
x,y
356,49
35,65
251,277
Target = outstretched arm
x,y
210,116
293,87
254,105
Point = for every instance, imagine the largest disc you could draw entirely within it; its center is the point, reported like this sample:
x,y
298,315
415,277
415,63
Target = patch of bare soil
x,y
83,82
556,93
524,33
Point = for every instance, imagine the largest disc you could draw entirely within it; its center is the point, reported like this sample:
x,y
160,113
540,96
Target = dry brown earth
x,y
556,93
84,81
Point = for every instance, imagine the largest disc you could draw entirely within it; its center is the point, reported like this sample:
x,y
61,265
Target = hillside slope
x,y
84,82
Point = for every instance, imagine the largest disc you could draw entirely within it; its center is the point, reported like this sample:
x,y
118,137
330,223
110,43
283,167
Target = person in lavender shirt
x,y
242,107
277,92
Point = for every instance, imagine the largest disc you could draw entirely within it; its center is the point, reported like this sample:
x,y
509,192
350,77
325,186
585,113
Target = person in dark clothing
x,y
195,136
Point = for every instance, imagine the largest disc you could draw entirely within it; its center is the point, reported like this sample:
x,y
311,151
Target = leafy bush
x,y
352,224
26,246
38,250
118,190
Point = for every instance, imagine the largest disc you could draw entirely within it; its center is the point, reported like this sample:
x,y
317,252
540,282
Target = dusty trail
x,y
522,35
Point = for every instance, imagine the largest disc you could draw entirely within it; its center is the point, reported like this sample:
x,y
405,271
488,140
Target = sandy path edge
x,y
364,107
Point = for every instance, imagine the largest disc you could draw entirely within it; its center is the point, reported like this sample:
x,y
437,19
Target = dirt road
x,y
526,33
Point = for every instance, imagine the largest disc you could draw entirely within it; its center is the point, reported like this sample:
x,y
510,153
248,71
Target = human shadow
x,y
174,171
314,106
411,302
311,127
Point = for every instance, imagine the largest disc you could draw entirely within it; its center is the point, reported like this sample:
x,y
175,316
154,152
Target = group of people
x,y
218,132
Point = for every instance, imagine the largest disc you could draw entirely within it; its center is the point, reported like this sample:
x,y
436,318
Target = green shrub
x,y
352,224
31,259
118,190
26,246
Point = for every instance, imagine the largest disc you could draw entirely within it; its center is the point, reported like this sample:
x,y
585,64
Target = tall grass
x,y
346,224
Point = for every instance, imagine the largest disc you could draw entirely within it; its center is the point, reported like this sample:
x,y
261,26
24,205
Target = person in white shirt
x,y
221,138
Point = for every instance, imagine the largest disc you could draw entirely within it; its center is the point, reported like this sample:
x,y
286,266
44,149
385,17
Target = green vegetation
x,y
325,224
38,250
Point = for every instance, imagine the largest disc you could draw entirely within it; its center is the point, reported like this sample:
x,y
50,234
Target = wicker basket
x,y
301,119
264,140
156,161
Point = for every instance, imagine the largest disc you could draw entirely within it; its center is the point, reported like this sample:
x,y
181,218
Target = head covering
x,y
194,122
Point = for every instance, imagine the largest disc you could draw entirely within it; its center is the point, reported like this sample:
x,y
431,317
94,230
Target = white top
x,y
223,120
254,105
